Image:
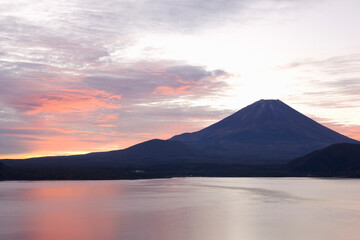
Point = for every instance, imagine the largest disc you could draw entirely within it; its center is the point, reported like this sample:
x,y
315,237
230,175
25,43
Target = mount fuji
x,y
266,131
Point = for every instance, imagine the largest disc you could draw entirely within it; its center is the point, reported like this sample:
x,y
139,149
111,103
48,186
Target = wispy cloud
x,y
65,101
158,80
352,130
332,83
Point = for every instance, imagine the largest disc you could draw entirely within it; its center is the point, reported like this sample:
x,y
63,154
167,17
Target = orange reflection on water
x,y
71,191
72,212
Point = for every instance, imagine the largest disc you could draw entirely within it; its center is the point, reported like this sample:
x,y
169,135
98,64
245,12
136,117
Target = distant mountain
x,y
336,160
150,152
266,131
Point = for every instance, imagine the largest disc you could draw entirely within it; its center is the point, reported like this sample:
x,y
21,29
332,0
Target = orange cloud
x,y
165,90
349,130
73,100
352,131
107,125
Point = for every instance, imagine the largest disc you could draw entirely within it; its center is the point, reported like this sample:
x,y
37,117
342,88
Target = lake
x,y
181,208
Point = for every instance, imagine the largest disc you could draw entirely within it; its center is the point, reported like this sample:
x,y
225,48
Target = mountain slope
x,y
336,160
265,131
150,152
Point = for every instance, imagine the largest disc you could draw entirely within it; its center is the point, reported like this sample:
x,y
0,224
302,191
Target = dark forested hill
x,y
335,160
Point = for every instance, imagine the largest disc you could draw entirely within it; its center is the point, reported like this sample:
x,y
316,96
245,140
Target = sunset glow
x,y
78,76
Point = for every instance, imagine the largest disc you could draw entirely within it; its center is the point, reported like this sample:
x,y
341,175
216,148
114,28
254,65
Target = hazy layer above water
x,y
181,208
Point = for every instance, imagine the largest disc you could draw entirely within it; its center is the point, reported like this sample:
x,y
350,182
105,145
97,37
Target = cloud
x,y
65,101
160,80
349,130
102,109
345,86
108,118
329,83
336,65
80,34
13,145
165,90
33,92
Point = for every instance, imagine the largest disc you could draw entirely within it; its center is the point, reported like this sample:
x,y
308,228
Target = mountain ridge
x,y
154,151
265,128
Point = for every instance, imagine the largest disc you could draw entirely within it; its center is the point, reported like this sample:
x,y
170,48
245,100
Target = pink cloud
x,y
349,130
66,101
108,118
106,125
166,90
352,131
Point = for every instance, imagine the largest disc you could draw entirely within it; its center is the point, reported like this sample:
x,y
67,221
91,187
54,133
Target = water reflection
x,y
71,212
72,191
71,224
191,209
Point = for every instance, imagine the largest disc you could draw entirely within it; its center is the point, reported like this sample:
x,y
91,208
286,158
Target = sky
x,y
79,76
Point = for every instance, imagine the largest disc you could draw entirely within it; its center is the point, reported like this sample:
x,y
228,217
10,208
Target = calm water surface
x,y
181,208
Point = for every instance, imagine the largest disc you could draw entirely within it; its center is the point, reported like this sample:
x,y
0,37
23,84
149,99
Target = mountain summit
x,y
265,131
